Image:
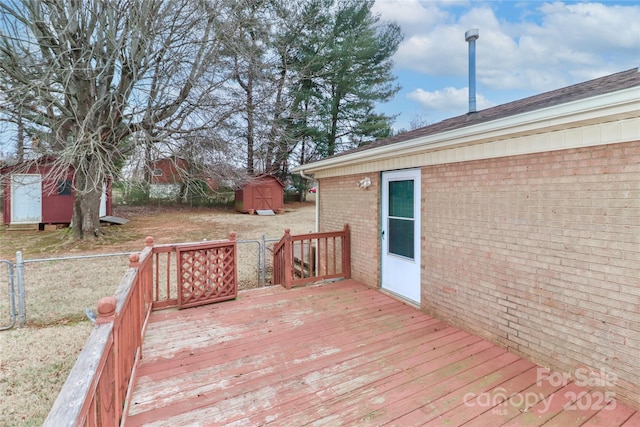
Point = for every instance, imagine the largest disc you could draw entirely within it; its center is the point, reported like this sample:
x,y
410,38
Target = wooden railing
x,y
168,277
311,257
95,392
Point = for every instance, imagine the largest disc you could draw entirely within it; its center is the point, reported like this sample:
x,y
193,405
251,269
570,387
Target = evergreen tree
x,y
344,70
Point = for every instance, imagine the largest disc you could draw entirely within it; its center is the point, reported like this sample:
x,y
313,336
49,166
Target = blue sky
x,y
525,48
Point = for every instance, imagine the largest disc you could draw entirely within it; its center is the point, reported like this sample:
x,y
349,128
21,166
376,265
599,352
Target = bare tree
x,y
268,39
88,75
310,74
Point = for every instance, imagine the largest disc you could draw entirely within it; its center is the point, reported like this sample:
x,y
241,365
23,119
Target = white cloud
x,y
448,99
414,16
593,26
549,45
582,41
434,53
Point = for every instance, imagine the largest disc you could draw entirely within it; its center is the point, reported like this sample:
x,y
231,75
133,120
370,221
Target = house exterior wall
x,y
476,145
530,224
342,202
541,254
168,171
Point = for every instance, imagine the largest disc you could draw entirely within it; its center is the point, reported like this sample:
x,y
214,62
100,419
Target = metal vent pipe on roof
x,y
471,36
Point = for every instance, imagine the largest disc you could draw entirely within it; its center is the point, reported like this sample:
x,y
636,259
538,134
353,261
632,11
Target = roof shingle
x,y
607,84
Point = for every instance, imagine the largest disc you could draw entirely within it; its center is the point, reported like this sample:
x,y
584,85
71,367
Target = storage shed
x,y
264,192
33,194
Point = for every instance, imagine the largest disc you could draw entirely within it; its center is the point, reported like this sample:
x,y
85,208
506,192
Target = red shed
x,y
264,192
32,194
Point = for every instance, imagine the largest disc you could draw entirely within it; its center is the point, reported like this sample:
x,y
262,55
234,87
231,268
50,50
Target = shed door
x,y
26,198
264,197
103,201
401,233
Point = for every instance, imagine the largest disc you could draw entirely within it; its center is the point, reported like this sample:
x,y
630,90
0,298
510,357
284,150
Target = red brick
x,y
542,251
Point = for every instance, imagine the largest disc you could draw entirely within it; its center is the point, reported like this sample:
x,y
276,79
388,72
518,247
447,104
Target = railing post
x,y
134,260
346,252
22,312
147,274
288,259
106,311
232,239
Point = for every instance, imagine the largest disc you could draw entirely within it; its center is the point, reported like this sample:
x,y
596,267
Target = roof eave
x,y
618,104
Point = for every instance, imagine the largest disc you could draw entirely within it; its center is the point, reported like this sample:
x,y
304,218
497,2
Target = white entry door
x,y
401,233
26,198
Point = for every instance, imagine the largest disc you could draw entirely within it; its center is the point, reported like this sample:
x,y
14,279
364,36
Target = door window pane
x,y
401,199
401,237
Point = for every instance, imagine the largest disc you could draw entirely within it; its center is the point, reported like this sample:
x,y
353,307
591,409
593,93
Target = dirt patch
x,y
35,361
164,224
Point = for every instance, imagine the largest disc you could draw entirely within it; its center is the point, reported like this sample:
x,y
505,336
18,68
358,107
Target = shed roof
x,y
483,120
260,178
40,161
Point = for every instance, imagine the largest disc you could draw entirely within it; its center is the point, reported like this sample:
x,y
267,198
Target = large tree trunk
x,y
86,203
86,215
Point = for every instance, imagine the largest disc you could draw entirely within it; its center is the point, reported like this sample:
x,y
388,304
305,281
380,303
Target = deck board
x,y
335,354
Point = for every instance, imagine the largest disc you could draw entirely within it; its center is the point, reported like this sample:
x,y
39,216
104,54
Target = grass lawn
x,y
35,360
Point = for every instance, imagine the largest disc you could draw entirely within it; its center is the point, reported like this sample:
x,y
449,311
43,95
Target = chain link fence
x,y
57,290
60,290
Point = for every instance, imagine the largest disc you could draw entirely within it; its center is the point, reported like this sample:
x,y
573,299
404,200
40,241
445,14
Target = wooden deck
x,y
340,354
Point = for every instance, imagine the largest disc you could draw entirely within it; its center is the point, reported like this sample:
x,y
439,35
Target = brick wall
x,y
539,253
342,202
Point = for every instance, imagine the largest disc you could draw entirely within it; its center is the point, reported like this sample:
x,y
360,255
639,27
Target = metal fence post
x,y
22,314
264,260
260,257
